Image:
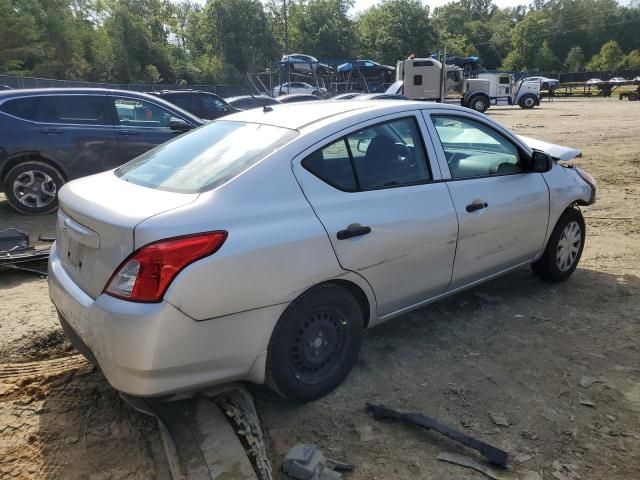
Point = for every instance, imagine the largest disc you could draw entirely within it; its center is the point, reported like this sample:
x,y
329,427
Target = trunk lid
x,y
96,223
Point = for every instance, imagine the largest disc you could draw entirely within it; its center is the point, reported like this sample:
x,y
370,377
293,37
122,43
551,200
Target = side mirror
x,y
541,162
179,125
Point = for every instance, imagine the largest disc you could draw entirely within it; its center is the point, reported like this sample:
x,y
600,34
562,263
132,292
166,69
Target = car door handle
x,y
476,205
51,131
353,230
127,133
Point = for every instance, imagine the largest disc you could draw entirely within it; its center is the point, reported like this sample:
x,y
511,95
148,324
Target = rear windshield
x,y
205,158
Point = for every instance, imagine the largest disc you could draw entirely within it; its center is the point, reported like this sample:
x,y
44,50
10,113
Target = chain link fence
x,y
17,82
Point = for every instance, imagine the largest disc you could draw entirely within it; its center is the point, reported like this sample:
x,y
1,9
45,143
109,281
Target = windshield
x,y
205,158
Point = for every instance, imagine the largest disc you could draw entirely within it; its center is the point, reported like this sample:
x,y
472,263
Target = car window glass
x,y
211,103
333,165
474,149
133,112
21,107
183,101
72,109
384,155
205,157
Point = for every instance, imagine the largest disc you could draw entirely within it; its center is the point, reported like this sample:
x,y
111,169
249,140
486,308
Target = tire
x,y
527,101
554,265
479,103
31,187
299,366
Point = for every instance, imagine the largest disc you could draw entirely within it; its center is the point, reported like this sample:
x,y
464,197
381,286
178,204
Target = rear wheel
x,y
528,101
479,103
564,249
32,186
315,344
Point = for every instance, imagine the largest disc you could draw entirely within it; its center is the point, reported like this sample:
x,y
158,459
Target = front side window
x,y
385,155
206,157
474,149
213,104
73,109
133,112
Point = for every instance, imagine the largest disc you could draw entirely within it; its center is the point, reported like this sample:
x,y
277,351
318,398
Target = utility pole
x,y
286,27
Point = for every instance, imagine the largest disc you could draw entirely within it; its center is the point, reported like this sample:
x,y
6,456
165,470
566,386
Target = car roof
x,y
26,92
296,116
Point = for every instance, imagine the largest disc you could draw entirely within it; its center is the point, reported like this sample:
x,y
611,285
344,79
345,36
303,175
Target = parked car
x,y
468,64
594,81
5,87
617,80
202,104
195,270
300,62
346,96
364,65
545,82
298,97
381,96
52,135
247,102
288,88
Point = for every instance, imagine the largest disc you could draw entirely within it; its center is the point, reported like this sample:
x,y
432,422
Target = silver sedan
x,y
260,246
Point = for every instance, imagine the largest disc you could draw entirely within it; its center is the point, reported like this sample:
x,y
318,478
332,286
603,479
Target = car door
x,y
502,207
386,213
75,131
140,125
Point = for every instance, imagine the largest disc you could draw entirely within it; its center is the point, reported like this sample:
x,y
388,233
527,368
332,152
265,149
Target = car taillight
x,y
148,272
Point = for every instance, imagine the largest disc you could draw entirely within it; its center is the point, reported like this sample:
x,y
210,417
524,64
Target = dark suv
x,y
202,104
51,136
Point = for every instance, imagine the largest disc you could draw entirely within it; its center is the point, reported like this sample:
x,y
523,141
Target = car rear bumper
x,y
152,349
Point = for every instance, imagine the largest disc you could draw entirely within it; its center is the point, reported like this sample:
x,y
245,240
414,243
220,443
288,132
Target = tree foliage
x,y
189,41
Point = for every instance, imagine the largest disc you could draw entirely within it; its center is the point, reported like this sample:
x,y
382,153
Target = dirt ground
x,y
550,373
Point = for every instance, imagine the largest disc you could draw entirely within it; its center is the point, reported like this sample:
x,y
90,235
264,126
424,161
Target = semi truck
x,y
428,79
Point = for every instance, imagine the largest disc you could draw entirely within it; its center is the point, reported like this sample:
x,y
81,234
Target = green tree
x,y
393,29
610,57
632,60
19,41
528,38
575,60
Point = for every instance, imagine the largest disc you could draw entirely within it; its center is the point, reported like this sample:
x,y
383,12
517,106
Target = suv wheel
x,y
32,187
315,343
564,249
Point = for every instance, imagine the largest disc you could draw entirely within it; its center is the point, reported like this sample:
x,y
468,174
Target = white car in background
x,y
594,81
260,246
617,80
545,82
288,88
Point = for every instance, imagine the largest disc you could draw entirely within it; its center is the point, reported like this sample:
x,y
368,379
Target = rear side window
x,y
25,108
73,109
389,154
206,157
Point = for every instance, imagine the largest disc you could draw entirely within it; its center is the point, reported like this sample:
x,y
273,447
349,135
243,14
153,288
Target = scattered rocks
x,y
613,418
586,381
499,419
565,471
587,402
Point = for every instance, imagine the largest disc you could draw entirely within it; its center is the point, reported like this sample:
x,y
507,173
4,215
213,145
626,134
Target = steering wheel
x,y
405,155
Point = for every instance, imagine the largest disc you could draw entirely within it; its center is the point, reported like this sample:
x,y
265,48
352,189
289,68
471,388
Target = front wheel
x,y
564,249
315,344
528,101
32,187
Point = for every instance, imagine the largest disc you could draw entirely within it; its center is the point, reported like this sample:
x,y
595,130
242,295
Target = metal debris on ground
x,y
199,440
491,453
307,462
469,462
16,252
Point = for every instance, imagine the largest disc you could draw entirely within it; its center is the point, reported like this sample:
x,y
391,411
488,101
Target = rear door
x,y
502,207
76,131
140,125
386,214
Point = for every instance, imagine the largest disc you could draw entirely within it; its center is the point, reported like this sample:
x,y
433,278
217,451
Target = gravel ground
x,y
549,372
